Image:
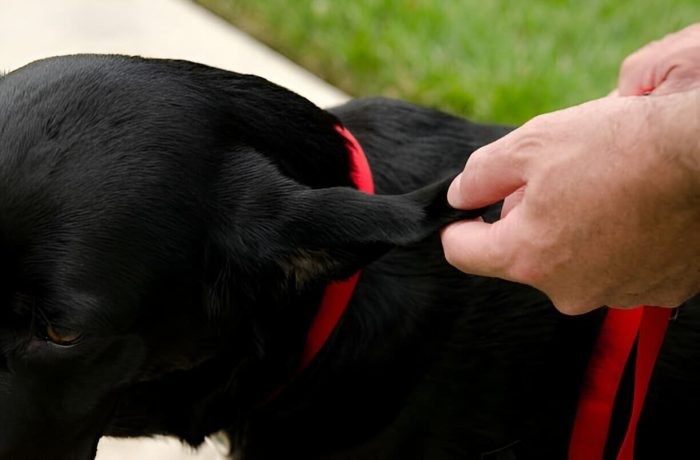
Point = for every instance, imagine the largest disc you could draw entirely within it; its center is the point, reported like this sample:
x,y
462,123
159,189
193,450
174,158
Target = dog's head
x,y
156,215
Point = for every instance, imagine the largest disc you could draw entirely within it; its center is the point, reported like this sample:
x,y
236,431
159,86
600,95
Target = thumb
x,y
480,248
490,175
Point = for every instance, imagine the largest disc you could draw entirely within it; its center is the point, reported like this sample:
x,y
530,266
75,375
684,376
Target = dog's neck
x,y
337,295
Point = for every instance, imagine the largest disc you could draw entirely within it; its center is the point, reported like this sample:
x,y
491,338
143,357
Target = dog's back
x,y
432,363
429,362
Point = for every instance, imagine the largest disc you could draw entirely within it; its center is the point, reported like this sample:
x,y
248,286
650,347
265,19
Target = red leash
x,y
620,330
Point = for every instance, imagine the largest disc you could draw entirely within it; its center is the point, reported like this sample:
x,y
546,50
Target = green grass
x,y
491,60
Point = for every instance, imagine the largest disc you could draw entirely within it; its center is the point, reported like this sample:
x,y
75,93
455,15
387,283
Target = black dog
x,y
167,231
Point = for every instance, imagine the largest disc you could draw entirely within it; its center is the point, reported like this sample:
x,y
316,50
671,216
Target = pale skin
x,y
602,200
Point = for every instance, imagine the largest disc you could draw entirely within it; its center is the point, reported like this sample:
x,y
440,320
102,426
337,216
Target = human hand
x,y
602,204
665,66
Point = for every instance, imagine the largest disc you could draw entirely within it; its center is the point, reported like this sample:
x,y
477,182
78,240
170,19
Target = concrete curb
x,y
178,29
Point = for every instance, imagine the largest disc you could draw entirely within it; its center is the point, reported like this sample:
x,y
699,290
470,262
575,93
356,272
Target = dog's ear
x,y
345,229
329,233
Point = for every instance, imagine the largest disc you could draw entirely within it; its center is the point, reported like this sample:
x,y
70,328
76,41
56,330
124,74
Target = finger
x,y
679,79
572,301
474,247
490,175
637,75
637,85
512,201
573,307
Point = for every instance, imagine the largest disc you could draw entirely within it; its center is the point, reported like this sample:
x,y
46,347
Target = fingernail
x,y
453,191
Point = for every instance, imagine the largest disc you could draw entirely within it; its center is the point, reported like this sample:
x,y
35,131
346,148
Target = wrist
x,y
676,127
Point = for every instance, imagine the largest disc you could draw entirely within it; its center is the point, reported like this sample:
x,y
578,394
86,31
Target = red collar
x,y
338,294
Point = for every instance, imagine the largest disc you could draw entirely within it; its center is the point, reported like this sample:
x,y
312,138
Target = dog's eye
x,y
42,327
62,337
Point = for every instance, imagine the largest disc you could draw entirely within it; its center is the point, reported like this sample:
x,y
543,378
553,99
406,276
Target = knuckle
x,y
480,157
526,270
629,62
535,123
531,138
566,306
571,303
631,68
522,264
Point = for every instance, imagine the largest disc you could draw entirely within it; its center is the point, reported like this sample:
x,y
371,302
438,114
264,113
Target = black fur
x,y
185,220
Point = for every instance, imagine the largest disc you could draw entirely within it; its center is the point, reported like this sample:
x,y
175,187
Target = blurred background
x,y
492,60
489,60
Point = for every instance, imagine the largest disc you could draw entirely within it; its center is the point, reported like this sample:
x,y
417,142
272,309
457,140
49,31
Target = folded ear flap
x,y
280,237
336,231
